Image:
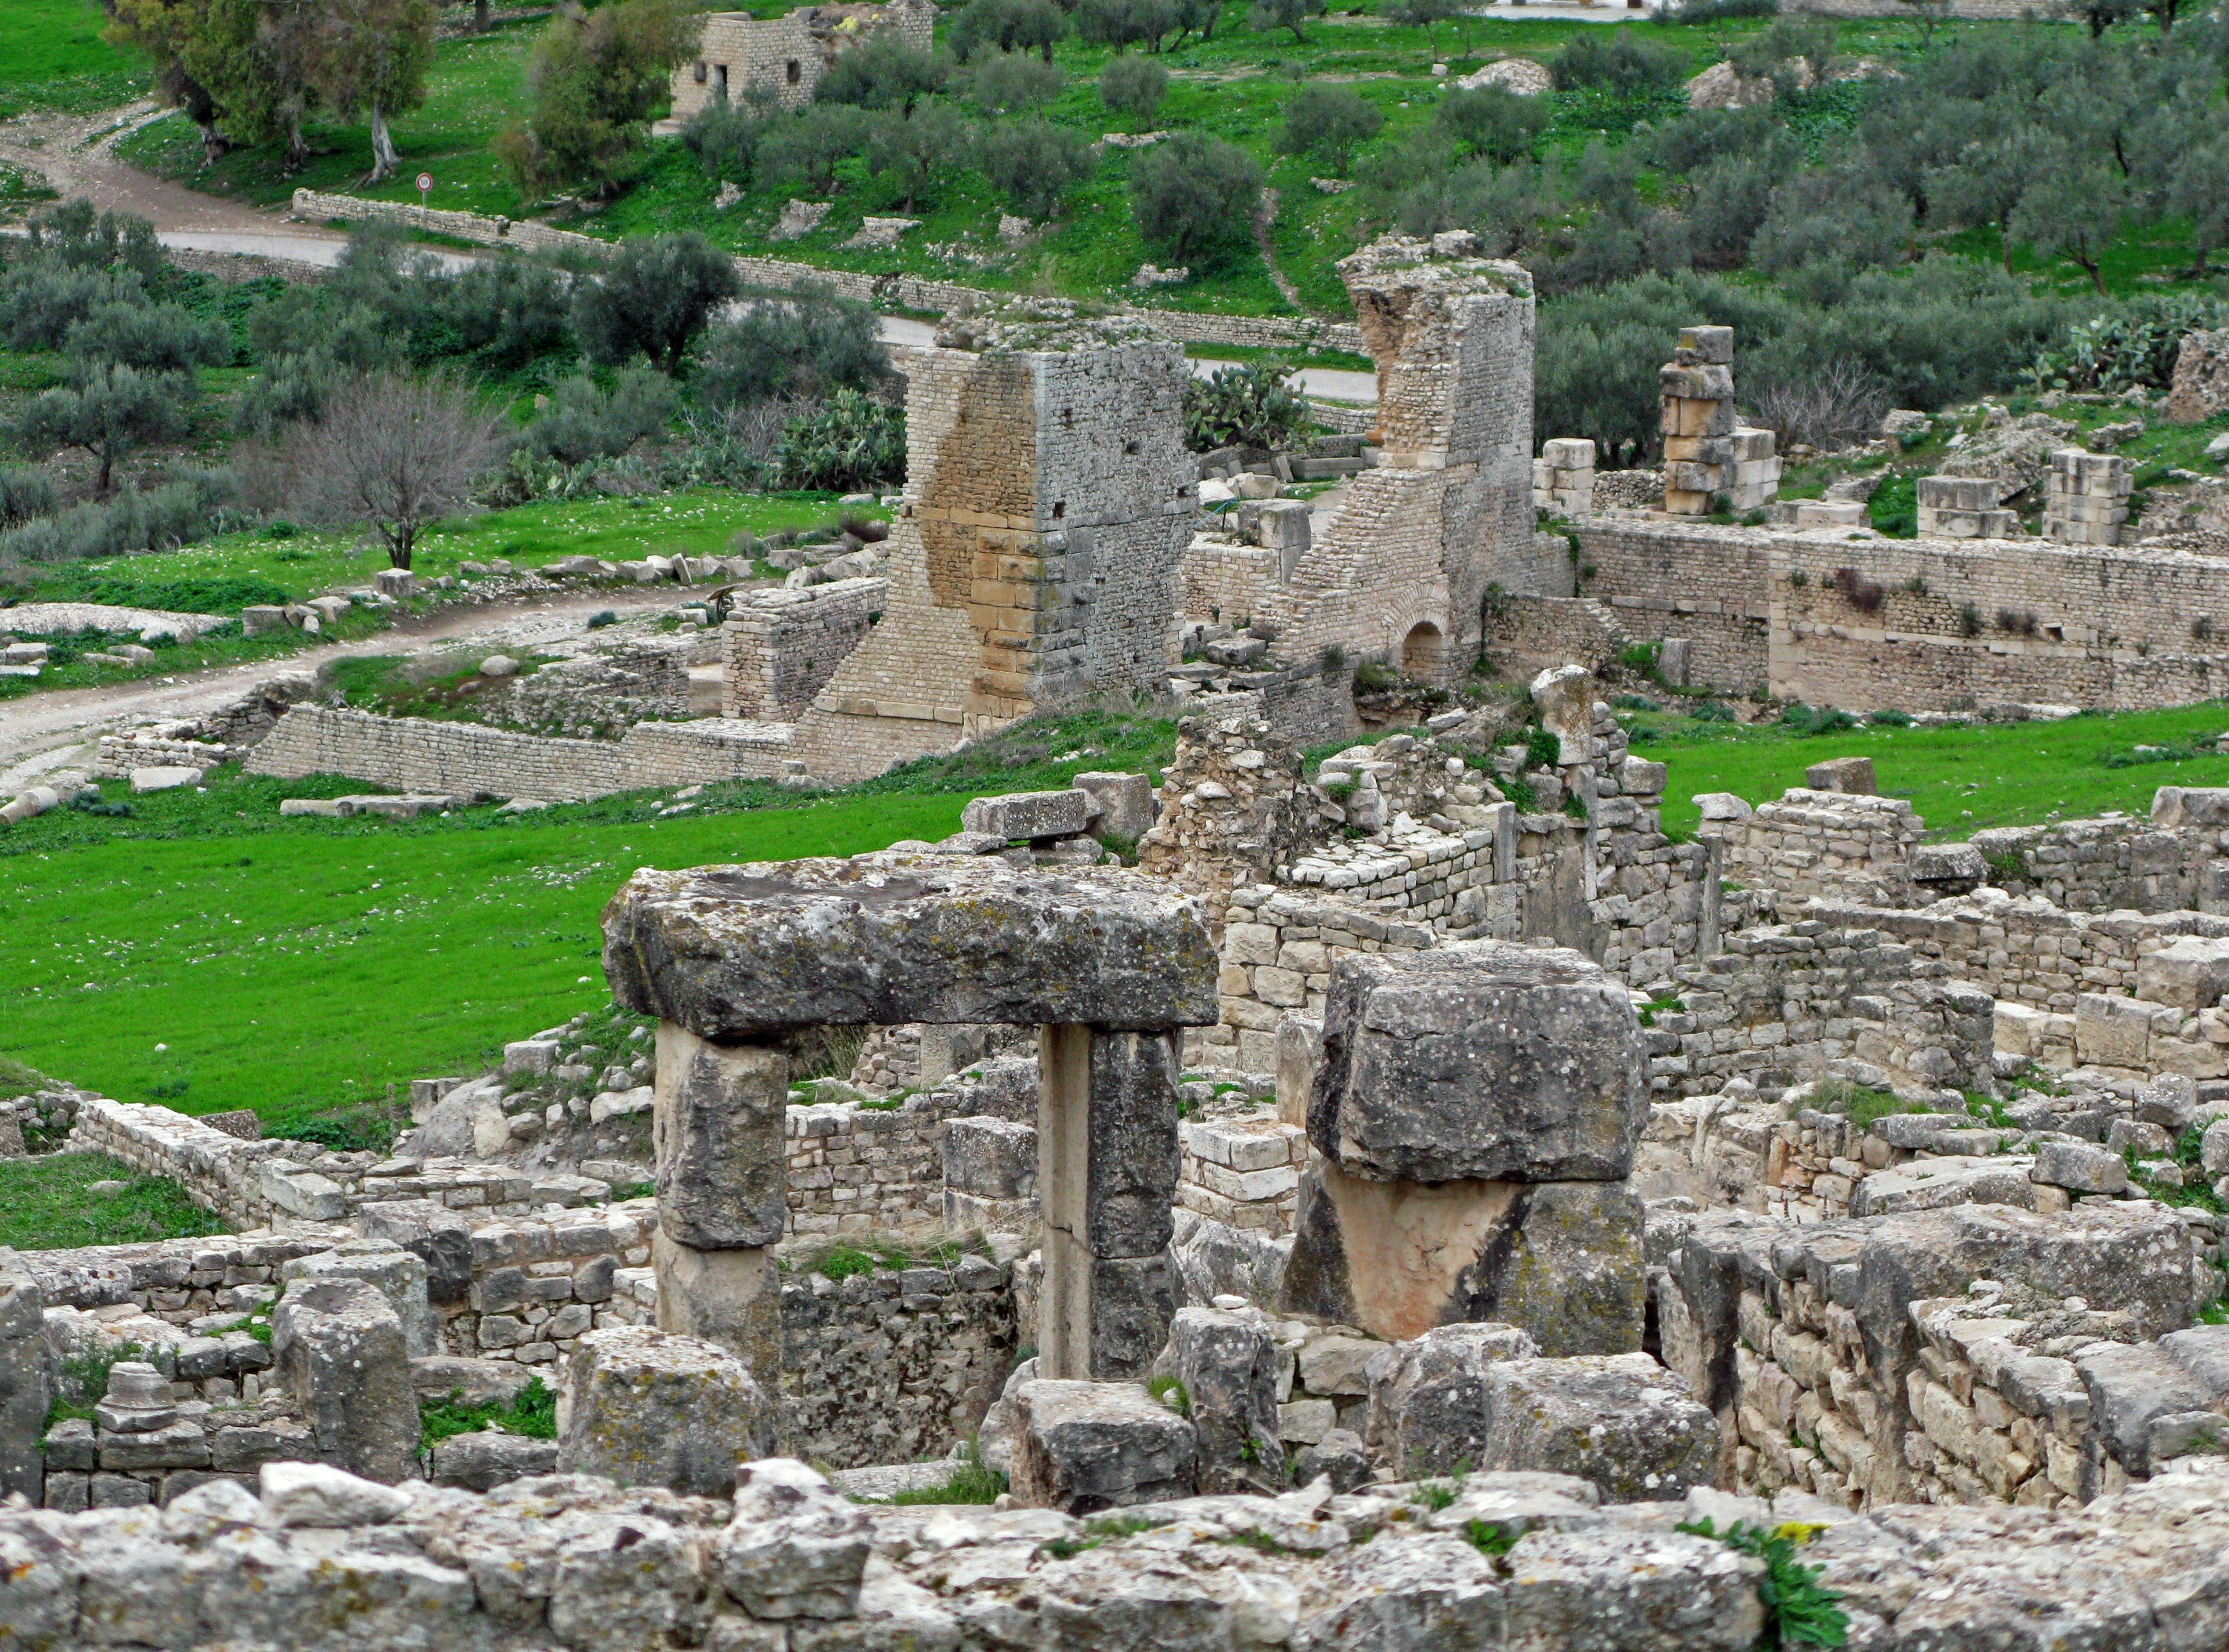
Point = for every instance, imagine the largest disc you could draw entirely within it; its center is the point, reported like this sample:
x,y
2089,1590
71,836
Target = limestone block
x,y
25,1387
1480,1061
394,1272
717,1135
1029,814
1606,1590
1561,1259
397,583
164,777
1621,1422
338,1345
440,1238
2203,1351
732,952
1829,513
797,1548
2190,972
1081,1447
2131,1387
1948,868
2111,1031
1126,804
1432,1590
1130,1175
732,1298
1565,696
648,1408
1227,1366
2019,1029
262,621
1341,1456
2080,1168
1853,776
990,1158
1723,806
1338,1365
316,1493
1934,1183
473,1382
1426,1396
1299,1053
482,1460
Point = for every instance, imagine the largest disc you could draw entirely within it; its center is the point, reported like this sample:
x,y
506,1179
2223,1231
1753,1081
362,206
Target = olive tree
x,y
652,300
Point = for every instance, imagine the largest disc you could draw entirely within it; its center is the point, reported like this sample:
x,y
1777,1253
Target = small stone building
x,y
784,55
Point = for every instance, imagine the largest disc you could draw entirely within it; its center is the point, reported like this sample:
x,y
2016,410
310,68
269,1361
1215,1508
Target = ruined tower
x,y
1049,497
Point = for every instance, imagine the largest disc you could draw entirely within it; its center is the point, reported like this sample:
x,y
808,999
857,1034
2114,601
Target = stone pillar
x,y
1474,1117
717,1135
1564,477
1707,456
2085,498
1110,964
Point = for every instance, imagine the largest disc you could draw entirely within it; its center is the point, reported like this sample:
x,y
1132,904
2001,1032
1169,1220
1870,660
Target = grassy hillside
x,y
52,57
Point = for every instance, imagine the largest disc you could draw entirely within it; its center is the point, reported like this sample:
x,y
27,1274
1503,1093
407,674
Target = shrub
x,y
1013,81
1613,60
175,514
652,298
1008,25
24,492
584,422
1857,591
805,343
724,137
157,337
2136,346
1840,403
1329,121
882,72
106,411
1253,406
1491,121
915,152
1035,162
72,235
592,80
852,443
1133,87
510,311
40,303
801,154
1194,197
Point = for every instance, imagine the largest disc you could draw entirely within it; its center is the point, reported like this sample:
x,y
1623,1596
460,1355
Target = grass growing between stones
x,y
971,1482
47,1204
532,1412
1959,780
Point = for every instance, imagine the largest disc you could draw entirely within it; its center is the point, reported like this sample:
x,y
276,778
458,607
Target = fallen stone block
x,y
397,1273
1427,1411
164,777
1125,804
316,1493
338,1345
1605,1590
482,1460
1430,1591
797,1547
1029,814
1931,1183
2078,1168
1227,1365
1081,1447
648,1408
1624,1423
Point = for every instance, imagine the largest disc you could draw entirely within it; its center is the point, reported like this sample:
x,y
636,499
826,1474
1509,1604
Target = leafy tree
x,y
1198,17
2199,188
1930,15
2098,16
585,421
1194,197
1329,121
1267,15
593,81
1008,25
652,298
881,72
510,311
395,453
1769,55
2073,204
1133,87
1010,83
1428,14
1983,187
1728,203
803,343
1615,61
1124,23
1842,213
801,152
373,58
1498,204
259,60
106,410
166,30
157,337
72,235
40,302
915,153
1035,162
1491,121
724,136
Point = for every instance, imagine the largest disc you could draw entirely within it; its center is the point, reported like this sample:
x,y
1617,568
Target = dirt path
x,y
43,732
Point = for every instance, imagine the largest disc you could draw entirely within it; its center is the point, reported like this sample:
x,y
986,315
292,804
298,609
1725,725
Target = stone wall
x,y
1243,1172
596,695
1706,584
782,647
854,1169
421,755
1831,845
1525,634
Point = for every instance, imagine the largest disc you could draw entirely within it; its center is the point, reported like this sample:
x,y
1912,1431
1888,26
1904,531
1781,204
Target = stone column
x,y
716,1134
1707,455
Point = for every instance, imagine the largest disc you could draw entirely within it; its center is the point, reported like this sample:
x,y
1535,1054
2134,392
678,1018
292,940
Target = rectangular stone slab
x,y
1480,1062
738,952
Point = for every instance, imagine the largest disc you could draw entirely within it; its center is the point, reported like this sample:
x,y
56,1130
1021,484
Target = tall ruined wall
x,y
1667,579
782,647
1048,500
1397,574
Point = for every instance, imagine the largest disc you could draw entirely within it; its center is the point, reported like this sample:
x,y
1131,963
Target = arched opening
x,y
1420,652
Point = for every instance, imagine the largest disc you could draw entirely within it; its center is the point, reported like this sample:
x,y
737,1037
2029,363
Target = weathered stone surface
x,y
734,952
2190,972
316,1493
1340,1457
648,1408
1480,1061
796,1548
1949,868
2131,1388
717,1134
729,1297
482,1459
1126,804
1565,695
397,1273
1622,1423
1130,1179
25,1391
1428,1396
1081,1447
990,1158
1429,1592
1227,1364
338,1345
1562,1260
1600,1590
473,1382
2078,1165
437,1236
1854,775
1028,814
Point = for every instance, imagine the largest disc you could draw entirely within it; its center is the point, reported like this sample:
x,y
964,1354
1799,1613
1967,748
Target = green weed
x,y
532,1412
1797,1610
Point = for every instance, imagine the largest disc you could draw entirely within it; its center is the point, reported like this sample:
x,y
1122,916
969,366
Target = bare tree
x,y
395,453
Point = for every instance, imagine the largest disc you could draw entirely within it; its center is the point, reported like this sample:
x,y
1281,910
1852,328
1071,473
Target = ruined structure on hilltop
x,y
742,57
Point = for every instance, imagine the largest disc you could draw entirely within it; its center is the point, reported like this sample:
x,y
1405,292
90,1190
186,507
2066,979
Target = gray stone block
x,y
2131,1386
2203,1351
473,1382
25,1387
1854,775
990,1158
1432,1591
648,1408
1130,1177
1428,1396
717,1136
437,1236
732,952
797,1548
1480,1061
1029,814
481,1460
397,1273
338,1345
2079,1167
1126,804
1622,1423
2190,972
1608,1590
1227,1366
1081,1447
1340,1455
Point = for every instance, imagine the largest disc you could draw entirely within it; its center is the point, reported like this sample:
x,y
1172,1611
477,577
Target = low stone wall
x,y
1277,957
1831,845
418,754
1525,634
1243,1173
782,647
1978,1354
2114,864
854,1169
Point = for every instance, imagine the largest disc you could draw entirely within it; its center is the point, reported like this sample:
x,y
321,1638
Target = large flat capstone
x,y
740,952
1481,1061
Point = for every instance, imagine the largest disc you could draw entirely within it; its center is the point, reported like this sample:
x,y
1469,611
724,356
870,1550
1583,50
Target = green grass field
x,y
52,56
207,954
45,1204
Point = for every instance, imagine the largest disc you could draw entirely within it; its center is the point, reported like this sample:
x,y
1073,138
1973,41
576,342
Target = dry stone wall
x,y
782,647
